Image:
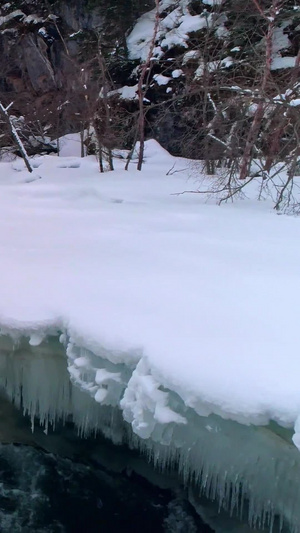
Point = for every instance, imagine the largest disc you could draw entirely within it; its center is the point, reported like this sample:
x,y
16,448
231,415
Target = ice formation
x,y
250,471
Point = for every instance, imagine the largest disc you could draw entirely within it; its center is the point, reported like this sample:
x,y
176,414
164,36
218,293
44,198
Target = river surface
x,y
60,483
57,482
42,492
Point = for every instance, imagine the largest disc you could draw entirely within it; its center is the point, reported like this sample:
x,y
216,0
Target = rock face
x,y
78,16
31,36
51,69
41,41
37,65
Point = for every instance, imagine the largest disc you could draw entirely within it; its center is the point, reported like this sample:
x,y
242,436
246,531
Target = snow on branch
x,y
15,135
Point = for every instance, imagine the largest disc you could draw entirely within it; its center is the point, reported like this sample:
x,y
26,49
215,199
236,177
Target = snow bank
x,y
226,461
207,294
168,308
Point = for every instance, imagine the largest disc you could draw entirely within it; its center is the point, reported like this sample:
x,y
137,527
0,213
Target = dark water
x,y
42,492
60,483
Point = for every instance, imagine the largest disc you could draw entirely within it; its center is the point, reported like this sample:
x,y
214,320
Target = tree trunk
x,y
82,154
142,90
259,114
15,136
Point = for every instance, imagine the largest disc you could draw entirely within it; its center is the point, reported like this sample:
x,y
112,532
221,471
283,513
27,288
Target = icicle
x,y
250,471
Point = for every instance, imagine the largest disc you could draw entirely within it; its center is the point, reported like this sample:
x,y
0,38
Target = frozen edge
x,y
230,461
86,356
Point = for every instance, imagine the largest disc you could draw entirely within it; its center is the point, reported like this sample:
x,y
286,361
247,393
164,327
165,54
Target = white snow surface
x,y
173,29
196,298
8,18
161,80
127,92
283,62
212,2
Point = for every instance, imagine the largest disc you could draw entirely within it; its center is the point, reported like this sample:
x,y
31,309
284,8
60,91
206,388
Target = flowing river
x,y
83,485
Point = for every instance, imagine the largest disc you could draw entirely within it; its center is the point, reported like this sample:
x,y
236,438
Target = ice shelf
x,y
249,470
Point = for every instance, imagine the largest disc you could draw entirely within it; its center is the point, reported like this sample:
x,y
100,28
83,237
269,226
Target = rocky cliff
x,y
204,50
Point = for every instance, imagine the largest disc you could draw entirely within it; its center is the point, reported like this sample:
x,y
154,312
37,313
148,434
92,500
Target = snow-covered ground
x,y
190,305
207,294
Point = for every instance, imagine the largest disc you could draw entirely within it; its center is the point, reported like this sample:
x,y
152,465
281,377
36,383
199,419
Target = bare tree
x,y
143,83
16,137
270,17
103,119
